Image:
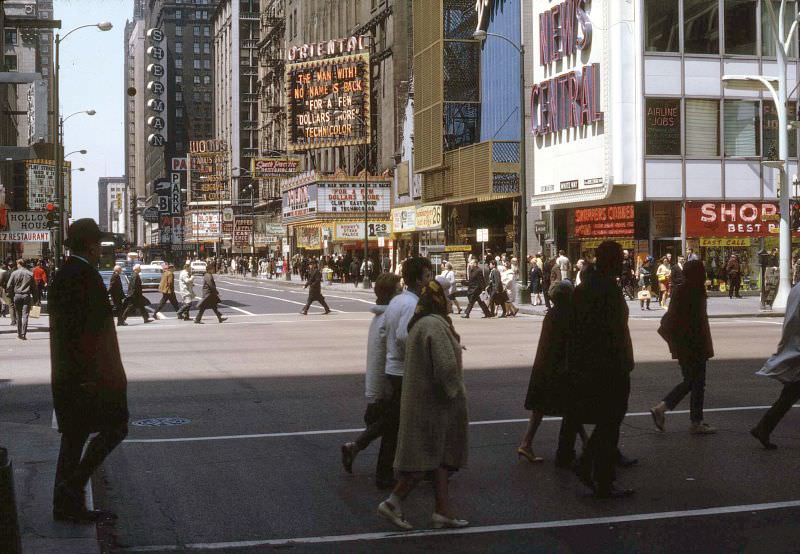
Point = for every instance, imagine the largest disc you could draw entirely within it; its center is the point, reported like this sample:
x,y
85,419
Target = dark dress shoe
x,y
82,515
303,312
326,312
624,461
465,316
223,319
199,322
612,492
348,457
763,438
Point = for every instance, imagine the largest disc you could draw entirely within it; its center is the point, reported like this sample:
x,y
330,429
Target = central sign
x,y
349,198
329,102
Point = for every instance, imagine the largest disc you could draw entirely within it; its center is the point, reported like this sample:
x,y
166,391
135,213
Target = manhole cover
x,y
161,421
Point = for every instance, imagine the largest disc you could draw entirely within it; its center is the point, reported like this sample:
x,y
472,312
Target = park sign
x,y
328,102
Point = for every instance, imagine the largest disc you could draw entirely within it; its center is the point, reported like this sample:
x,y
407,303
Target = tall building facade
x,y
113,202
186,101
135,137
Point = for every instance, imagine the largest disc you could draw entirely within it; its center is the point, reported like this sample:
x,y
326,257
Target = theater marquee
x,y
328,102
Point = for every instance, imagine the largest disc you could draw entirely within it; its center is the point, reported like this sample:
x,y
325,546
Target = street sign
x,y
150,215
482,235
540,227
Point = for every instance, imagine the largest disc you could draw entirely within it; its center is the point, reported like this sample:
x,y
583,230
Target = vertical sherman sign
x,y
328,98
571,99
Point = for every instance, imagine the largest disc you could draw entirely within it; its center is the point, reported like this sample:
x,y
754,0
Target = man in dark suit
x,y
136,299
314,286
210,297
88,379
476,283
117,293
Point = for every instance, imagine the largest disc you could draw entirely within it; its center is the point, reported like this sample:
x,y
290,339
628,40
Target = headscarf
x,y
432,301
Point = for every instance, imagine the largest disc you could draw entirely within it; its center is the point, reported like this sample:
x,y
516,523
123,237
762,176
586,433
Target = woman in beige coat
x,y
433,413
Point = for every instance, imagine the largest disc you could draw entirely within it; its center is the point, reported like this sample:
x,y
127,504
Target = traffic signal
x,y
52,216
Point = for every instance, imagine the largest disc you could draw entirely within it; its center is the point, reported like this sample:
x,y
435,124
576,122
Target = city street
x,y
260,404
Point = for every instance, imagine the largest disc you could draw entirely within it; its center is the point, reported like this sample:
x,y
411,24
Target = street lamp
x,y
366,283
75,152
58,139
777,87
524,292
78,169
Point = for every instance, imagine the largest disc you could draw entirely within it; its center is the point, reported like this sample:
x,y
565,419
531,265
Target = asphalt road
x,y
268,397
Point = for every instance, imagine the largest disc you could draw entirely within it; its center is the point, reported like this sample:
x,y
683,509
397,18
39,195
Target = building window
x,y
770,126
11,62
702,128
206,48
179,113
178,79
196,48
196,31
206,64
178,31
196,79
206,79
179,48
198,14
742,124
196,64
196,96
178,14
206,31
663,127
661,25
767,36
700,27
179,97
740,27
178,63
206,97
11,37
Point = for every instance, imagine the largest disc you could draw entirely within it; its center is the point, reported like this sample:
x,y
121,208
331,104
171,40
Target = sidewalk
x,y
33,449
718,307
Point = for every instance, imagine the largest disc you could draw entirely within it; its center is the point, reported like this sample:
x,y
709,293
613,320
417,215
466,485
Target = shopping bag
x,y
485,297
643,295
36,312
723,287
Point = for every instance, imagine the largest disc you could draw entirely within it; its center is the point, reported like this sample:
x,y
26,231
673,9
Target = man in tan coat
x,y
167,289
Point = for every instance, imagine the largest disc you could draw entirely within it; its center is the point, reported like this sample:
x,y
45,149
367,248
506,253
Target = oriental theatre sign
x,y
571,99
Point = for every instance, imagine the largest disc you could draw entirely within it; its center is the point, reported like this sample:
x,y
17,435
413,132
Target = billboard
x,y
208,183
27,221
204,225
268,168
25,236
242,229
328,102
41,180
736,219
348,197
300,201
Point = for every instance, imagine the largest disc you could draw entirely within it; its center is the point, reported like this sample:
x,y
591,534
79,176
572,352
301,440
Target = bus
x,y
113,249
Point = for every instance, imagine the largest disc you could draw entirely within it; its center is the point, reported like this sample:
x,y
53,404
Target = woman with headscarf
x,y
433,413
783,366
686,330
645,282
548,384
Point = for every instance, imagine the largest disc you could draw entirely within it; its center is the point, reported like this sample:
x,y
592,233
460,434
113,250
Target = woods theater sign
x,y
570,99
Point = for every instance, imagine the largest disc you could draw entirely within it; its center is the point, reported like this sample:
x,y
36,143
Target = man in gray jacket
x,y
22,290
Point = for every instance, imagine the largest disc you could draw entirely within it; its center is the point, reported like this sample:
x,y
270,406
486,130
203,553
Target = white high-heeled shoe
x,y
394,515
441,522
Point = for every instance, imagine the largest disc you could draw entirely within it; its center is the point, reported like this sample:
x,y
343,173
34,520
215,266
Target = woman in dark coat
x,y
547,386
686,330
536,283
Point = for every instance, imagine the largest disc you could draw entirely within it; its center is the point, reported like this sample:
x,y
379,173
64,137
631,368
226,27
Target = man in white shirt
x,y
563,265
417,272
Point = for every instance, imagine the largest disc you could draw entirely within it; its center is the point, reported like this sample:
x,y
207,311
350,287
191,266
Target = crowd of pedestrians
x,y
23,284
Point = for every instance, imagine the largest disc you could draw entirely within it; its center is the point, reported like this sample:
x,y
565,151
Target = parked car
x,y
158,263
106,275
198,267
151,277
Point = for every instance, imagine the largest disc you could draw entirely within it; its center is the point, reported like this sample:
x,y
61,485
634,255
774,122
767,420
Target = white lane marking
x,y
245,312
324,292
273,298
483,422
477,530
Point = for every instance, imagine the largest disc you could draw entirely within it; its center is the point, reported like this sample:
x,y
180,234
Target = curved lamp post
x,y
524,292
57,126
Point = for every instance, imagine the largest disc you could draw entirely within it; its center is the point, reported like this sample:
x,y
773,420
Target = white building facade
x,y
635,138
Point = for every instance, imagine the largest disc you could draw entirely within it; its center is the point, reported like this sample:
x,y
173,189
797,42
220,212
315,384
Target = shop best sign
x,y
328,102
732,219
605,221
570,99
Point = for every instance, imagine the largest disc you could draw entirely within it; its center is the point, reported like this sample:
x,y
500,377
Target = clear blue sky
x,y
92,67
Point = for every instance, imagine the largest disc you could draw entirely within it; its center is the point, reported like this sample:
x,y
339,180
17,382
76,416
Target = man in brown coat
x,y
88,379
167,289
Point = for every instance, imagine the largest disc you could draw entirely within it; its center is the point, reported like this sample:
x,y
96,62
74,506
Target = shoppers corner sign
x,y
568,100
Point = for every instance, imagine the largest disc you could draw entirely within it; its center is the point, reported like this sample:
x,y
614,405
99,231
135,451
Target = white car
x,y
198,268
160,263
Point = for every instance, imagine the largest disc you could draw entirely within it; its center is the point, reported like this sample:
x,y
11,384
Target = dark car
x,y
106,275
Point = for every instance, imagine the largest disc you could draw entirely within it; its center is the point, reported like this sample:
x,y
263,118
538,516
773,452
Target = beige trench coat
x,y
433,408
